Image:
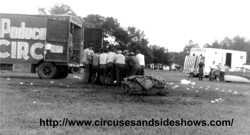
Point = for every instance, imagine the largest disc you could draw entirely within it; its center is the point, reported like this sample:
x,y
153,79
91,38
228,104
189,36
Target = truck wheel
x,y
62,72
75,70
46,70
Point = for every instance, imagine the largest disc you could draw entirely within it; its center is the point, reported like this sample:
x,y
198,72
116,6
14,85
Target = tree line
x,y
132,38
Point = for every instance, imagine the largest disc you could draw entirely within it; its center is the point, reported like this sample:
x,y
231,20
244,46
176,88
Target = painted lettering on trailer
x,y
20,50
22,32
14,44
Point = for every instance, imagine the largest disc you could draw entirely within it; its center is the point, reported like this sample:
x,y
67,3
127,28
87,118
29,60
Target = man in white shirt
x,y
141,60
119,66
86,59
86,56
110,66
110,57
103,65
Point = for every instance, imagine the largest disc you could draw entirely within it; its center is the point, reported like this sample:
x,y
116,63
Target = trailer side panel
x,y
22,38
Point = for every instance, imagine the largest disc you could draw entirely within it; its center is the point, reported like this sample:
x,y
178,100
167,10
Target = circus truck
x,y
213,57
44,44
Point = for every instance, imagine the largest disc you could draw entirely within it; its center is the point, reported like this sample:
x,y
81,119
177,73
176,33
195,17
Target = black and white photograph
x,y
124,67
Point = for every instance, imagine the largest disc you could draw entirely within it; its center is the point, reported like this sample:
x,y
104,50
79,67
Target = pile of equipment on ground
x,y
144,85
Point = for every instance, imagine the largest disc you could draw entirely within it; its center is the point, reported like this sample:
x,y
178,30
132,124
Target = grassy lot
x,y
24,99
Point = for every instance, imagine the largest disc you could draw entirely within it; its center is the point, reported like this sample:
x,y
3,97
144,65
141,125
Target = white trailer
x,y
231,58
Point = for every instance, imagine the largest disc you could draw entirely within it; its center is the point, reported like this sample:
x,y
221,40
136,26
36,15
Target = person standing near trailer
x,y
87,61
201,67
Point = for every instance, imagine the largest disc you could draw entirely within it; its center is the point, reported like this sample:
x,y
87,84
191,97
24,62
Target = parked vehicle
x,y
47,44
212,58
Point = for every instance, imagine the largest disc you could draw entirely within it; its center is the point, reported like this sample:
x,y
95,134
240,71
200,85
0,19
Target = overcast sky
x,y
168,23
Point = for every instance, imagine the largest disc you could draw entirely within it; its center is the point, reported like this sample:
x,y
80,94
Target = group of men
x,y
110,66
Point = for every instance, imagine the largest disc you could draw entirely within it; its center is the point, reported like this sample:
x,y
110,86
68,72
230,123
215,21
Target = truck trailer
x,y
46,44
213,57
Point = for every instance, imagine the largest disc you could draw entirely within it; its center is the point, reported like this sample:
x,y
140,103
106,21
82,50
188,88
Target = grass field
x,y
24,99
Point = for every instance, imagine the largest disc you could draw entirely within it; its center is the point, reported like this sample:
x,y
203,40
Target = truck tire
x,y
47,70
62,72
75,70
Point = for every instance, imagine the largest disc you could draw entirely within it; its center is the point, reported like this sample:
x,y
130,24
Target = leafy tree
x,y
188,47
42,11
177,57
226,43
160,55
131,38
110,27
93,21
62,9
240,43
58,9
